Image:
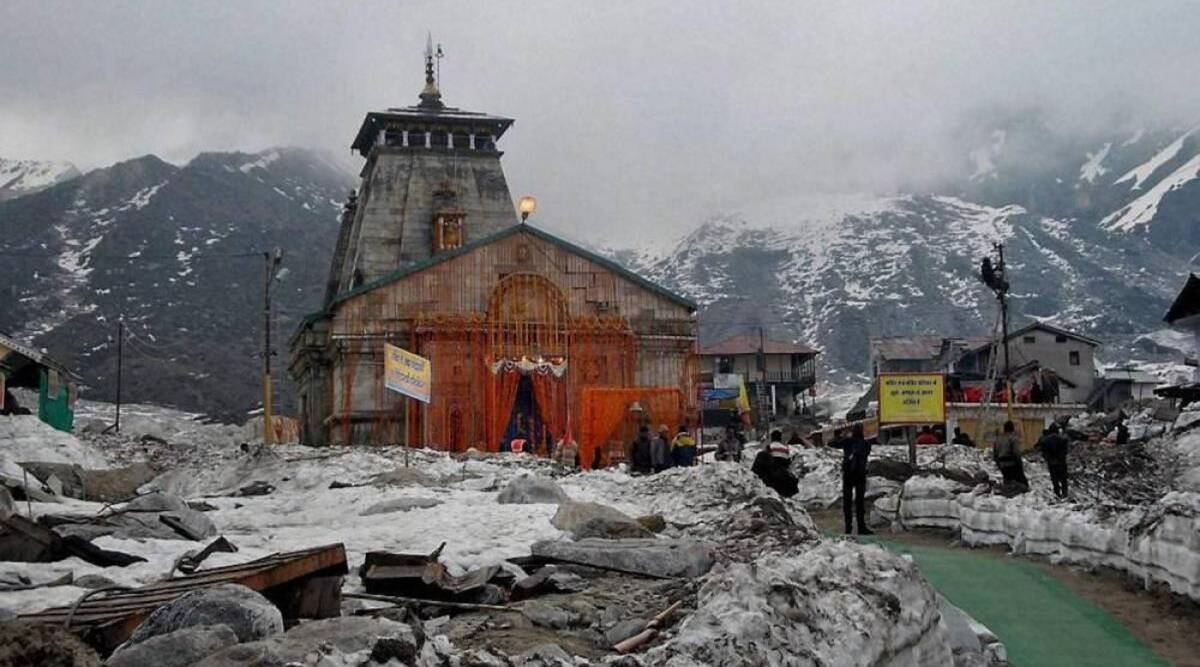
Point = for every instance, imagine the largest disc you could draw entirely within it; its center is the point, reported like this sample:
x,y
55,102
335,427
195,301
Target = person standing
x,y
1006,451
683,448
660,450
856,452
1054,446
640,457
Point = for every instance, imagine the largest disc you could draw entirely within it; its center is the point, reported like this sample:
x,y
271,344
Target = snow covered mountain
x,y
23,177
909,264
172,251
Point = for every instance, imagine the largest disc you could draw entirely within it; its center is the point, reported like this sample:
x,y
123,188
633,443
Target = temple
x,y
529,336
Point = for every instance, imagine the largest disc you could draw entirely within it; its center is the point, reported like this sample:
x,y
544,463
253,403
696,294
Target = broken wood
x,y
23,540
190,562
647,634
397,599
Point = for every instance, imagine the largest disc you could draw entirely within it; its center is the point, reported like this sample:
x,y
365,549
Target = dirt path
x,y
1161,622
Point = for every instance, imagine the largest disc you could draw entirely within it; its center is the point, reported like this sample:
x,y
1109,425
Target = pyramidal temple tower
x,y
432,182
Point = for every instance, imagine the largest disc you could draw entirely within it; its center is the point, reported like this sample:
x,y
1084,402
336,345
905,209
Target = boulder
x,y
532,489
608,529
400,505
596,520
247,613
893,469
549,579
353,639
156,502
403,477
548,615
255,488
25,644
112,485
175,649
624,630
654,523
657,557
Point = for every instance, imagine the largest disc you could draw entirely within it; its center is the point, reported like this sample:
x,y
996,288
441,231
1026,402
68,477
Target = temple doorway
x,y
525,421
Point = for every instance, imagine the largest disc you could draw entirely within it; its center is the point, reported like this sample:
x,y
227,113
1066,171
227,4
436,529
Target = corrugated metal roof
x,y
906,347
747,343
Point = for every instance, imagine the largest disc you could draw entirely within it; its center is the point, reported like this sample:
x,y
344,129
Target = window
x,y
1029,340
1060,338
1074,357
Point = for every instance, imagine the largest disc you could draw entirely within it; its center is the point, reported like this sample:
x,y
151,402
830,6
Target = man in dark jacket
x,y
1054,448
640,460
855,453
772,465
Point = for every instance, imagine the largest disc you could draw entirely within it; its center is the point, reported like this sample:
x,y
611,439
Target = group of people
x,y
654,453
1053,445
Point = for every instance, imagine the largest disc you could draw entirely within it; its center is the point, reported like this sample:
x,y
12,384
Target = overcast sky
x,y
631,116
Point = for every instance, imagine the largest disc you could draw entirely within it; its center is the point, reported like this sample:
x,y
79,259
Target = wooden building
x,y
529,335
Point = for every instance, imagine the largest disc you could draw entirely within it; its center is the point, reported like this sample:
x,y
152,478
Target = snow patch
x,y
1142,210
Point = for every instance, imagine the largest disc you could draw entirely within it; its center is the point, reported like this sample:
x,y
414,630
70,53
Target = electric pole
x,y
120,341
270,265
1002,294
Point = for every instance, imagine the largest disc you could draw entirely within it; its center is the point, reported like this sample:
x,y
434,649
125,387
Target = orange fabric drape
x,y
550,394
502,393
604,408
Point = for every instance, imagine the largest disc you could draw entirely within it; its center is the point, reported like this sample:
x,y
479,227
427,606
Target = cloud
x,y
632,117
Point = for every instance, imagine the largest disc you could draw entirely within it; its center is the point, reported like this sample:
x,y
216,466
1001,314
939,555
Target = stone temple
x,y
530,337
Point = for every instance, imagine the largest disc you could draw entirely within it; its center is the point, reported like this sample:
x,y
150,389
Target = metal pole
x,y
762,382
268,431
120,341
1004,326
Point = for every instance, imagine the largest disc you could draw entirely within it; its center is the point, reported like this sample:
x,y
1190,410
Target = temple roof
x,y
503,234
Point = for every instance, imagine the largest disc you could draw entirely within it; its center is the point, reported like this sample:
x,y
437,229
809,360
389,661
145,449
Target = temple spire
x,y
431,97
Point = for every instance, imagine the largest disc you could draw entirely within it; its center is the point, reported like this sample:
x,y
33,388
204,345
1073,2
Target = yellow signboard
x,y
406,373
912,398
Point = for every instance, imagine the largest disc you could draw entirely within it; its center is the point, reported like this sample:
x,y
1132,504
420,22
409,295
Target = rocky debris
x,y
548,615
94,581
255,488
400,505
596,520
814,607
332,641
107,485
545,655
247,613
403,477
43,646
549,579
655,557
179,648
151,516
22,540
761,526
654,523
893,469
1132,473
532,489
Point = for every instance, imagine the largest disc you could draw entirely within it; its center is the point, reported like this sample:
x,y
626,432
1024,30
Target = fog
x,y
634,119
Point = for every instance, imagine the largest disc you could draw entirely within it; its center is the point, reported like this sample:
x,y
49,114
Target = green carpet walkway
x,y
1039,619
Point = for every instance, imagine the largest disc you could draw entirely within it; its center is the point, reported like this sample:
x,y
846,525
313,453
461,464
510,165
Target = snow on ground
x,y
1155,541
737,602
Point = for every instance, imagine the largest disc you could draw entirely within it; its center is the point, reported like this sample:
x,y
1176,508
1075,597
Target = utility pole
x,y
1002,294
120,341
760,395
270,264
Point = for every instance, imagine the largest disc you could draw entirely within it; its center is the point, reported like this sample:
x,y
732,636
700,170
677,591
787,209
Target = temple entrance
x,y
525,422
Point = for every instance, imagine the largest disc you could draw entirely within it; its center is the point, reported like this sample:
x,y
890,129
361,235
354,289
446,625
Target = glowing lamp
x,y
527,206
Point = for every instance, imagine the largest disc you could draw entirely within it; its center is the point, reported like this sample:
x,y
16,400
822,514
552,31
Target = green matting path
x,y
1039,619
